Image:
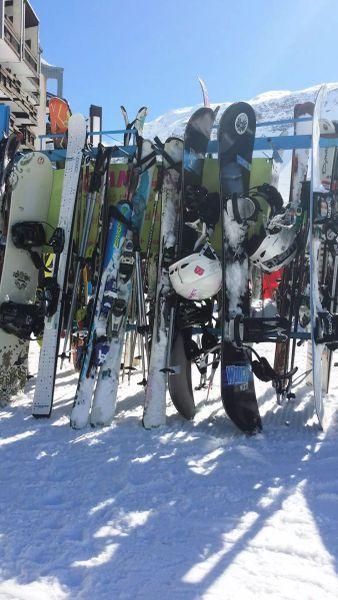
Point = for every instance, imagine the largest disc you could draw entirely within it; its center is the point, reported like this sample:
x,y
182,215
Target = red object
x,y
59,113
199,270
271,282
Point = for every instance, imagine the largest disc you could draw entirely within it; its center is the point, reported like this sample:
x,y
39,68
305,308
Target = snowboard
x,y
8,148
327,254
59,115
236,136
323,323
196,140
32,180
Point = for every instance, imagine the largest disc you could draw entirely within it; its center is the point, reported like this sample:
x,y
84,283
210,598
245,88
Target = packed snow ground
x,y
193,510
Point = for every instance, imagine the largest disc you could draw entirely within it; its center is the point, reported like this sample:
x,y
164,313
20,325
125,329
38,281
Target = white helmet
x,y
276,250
198,276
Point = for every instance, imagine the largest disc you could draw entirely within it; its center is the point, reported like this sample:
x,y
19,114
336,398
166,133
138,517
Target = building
x,y
20,54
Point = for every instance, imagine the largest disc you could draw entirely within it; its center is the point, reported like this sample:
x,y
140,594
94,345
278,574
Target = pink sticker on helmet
x,y
198,270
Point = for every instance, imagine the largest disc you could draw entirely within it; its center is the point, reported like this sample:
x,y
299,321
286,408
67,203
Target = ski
x,y
97,345
109,230
120,290
205,93
287,291
56,285
137,123
154,413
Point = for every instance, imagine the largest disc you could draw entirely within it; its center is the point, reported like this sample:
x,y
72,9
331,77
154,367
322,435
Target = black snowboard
x,y
196,139
236,136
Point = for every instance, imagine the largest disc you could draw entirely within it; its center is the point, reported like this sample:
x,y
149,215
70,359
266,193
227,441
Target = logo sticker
x,y
21,279
198,270
241,123
193,294
237,375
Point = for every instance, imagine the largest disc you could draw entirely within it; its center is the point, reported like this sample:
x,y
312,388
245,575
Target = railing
x,y
30,58
9,83
286,142
11,36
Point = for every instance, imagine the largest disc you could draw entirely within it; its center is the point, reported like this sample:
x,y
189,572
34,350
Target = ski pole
x,y
102,162
79,266
157,200
141,313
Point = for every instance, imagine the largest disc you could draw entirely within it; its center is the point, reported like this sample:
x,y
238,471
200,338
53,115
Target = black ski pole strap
x,y
264,371
37,260
170,161
139,144
160,148
158,142
114,212
147,161
136,240
95,180
235,210
148,165
159,180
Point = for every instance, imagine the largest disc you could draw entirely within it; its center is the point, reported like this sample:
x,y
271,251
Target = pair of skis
x,y
96,394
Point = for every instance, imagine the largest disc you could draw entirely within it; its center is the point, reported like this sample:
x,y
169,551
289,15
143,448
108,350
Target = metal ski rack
x,y
267,143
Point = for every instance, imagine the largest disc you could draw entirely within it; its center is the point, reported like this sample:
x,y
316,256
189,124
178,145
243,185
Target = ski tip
x,y
206,100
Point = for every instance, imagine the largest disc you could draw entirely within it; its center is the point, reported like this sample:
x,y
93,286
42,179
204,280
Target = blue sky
x,y
150,53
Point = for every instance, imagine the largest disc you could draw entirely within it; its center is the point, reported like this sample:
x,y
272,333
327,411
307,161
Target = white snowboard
x,y
31,191
314,248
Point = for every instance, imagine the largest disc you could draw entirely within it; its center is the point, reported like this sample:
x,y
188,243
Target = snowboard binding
x,y
21,320
28,235
326,329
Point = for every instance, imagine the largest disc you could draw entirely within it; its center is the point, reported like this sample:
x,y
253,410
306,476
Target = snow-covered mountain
x,y
269,106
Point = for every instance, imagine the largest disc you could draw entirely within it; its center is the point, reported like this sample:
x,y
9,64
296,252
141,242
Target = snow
x,y
269,106
192,510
